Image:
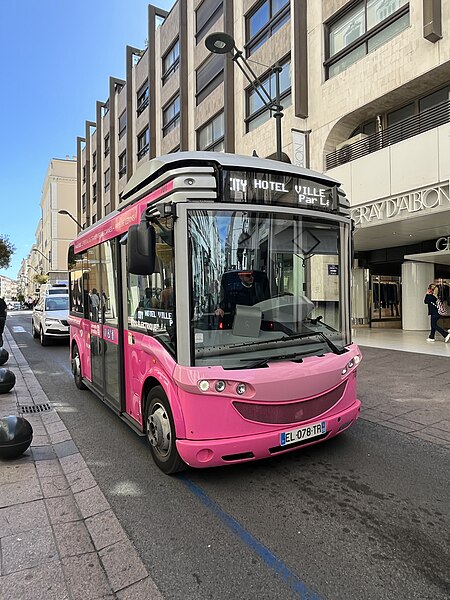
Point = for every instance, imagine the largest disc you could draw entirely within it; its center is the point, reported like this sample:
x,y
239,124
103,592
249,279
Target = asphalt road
x,y
363,516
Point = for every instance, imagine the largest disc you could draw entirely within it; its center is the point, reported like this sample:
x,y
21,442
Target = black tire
x,y
160,432
33,330
44,339
76,369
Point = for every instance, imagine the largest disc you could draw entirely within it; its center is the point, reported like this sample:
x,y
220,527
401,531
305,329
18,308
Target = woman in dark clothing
x,y
2,319
431,300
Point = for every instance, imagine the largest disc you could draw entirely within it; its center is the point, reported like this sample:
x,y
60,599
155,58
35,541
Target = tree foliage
x,y
40,278
6,251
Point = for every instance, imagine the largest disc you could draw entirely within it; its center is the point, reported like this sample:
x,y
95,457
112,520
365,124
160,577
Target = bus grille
x,y
292,412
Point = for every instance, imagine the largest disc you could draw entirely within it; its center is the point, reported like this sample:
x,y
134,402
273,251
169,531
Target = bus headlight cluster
x,y
351,363
219,385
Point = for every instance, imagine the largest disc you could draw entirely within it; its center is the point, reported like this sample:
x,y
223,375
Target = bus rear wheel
x,y
76,369
160,432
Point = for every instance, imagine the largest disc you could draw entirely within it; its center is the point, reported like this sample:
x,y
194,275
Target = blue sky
x,y
56,60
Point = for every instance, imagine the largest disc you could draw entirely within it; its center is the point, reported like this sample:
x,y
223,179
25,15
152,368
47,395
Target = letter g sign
x,y
443,244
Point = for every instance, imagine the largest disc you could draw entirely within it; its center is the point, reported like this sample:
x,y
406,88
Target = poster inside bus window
x,y
279,190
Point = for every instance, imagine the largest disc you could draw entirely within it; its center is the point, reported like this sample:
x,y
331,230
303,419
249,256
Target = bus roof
x,y
154,167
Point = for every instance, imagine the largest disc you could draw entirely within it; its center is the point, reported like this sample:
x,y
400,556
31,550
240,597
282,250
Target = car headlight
x,y
51,321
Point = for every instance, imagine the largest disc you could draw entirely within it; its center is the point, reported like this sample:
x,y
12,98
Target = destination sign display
x,y
279,190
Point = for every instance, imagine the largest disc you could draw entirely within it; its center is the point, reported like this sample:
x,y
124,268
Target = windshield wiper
x,y
330,344
262,362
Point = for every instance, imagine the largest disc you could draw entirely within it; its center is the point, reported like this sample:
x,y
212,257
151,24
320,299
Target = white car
x,y
49,318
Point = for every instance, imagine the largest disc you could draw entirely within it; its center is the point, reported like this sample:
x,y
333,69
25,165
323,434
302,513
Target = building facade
x,y
365,90
54,232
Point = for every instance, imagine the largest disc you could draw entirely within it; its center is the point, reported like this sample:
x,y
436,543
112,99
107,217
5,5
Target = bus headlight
x,y
241,388
220,385
203,385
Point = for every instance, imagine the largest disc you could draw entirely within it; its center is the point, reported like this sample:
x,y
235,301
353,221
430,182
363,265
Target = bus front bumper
x,y
214,453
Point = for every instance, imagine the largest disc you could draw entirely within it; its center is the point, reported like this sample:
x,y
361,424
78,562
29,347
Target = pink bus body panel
x,y
208,426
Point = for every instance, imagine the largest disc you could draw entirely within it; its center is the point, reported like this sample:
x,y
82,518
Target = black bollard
x,y
7,381
4,355
16,434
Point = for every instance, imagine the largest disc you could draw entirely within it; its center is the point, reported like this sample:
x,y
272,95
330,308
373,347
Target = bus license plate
x,y
304,433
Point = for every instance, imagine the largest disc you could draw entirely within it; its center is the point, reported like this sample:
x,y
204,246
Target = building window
x,y
257,113
94,193
122,164
83,201
207,14
94,219
94,161
265,20
84,173
142,98
143,143
170,62
355,32
122,123
106,145
209,75
212,135
171,115
107,179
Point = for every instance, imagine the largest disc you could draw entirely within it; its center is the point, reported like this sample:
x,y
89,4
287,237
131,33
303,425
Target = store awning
x,y
441,257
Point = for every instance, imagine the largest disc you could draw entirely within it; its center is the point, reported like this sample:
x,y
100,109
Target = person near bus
x,y
431,299
167,294
149,301
241,287
95,303
3,313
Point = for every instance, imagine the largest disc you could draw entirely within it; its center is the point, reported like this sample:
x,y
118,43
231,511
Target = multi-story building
x,y
365,90
55,231
8,289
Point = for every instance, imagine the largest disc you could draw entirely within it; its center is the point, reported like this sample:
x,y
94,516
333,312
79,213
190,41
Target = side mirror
x,y
141,249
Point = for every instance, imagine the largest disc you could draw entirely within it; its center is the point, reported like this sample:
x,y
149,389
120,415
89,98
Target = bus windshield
x,y
265,286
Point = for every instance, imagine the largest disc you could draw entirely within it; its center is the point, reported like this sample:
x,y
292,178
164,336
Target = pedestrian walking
x,y
433,302
3,311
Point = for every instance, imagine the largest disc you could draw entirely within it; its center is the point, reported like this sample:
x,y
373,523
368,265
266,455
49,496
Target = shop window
x,y
257,112
265,20
364,27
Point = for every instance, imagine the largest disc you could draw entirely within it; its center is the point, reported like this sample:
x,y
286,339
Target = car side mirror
x,y
141,249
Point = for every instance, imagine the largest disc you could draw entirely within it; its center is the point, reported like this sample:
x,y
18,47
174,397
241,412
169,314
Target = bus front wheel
x,y
160,432
76,369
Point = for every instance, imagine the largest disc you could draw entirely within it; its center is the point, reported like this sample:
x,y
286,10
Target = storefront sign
x,y
400,207
443,244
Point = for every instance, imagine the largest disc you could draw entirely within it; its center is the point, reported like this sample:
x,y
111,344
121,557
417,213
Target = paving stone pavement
x,y
59,538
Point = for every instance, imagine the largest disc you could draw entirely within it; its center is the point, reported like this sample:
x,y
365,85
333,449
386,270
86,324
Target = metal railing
x,y
424,121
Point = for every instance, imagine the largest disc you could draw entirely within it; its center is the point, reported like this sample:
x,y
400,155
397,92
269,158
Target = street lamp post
x,y
41,253
222,43
66,212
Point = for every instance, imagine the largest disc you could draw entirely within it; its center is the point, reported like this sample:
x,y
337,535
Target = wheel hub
x,y
158,430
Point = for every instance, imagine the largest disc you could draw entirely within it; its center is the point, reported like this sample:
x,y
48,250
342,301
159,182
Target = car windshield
x,y
266,286
56,303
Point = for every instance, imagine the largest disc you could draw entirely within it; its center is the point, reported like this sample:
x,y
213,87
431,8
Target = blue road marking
x,y
264,553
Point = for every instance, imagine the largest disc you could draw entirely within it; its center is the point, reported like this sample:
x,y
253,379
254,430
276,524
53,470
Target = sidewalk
x,y
59,538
